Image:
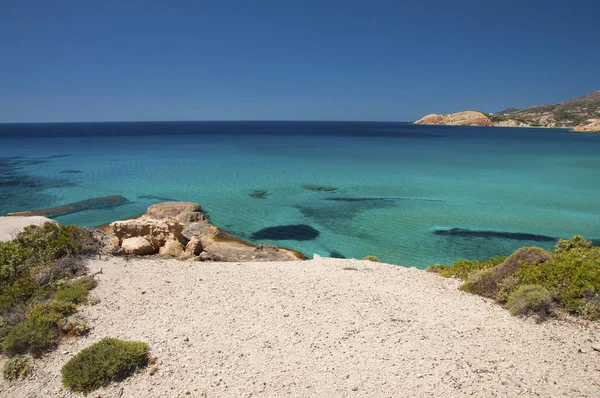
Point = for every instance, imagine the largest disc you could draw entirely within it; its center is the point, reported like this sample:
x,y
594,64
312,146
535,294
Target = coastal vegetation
x,y
42,277
105,361
533,281
16,368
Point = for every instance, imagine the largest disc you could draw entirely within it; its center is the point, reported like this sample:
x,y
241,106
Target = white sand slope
x,y
320,329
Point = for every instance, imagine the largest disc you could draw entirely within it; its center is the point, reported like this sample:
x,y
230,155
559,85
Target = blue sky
x,y
104,60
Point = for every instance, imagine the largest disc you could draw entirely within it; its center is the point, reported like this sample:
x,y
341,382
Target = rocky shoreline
x,y
580,114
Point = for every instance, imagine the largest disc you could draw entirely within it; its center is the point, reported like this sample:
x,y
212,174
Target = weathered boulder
x,y
464,118
12,225
194,246
157,232
137,245
184,212
172,248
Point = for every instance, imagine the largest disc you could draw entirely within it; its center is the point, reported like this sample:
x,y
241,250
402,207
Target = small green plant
x,y
530,300
577,241
371,258
105,361
16,368
75,292
34,335
75,325
54,310
462,269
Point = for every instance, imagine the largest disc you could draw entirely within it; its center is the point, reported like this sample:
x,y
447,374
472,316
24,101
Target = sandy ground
x,y
322,328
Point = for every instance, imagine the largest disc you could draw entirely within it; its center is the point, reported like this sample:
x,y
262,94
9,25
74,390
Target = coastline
x,y
327,327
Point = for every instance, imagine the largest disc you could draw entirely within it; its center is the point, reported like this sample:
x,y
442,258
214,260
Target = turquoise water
x,y
411,195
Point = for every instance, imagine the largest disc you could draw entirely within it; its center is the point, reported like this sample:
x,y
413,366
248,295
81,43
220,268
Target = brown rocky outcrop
x,y
591,127
464,118
182,230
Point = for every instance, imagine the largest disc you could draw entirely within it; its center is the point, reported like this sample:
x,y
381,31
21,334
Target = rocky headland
x,y
581,114
182,230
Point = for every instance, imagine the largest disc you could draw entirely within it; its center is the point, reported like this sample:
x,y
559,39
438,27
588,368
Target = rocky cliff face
x,y
464,118
182,230
592,127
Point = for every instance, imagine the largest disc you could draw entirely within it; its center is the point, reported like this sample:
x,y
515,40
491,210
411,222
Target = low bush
x,y
75,325
75,292
371,258
462,269
54,310
34,335
105,361
63,268
16,368
488,283
530,300
570,276
577,241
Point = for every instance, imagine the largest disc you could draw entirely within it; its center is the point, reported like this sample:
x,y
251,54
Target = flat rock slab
x,y
11,226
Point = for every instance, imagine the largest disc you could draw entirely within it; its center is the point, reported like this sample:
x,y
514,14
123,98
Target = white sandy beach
x,y
320,328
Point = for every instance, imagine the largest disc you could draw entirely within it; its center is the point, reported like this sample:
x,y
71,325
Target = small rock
x,y
596,347
354,388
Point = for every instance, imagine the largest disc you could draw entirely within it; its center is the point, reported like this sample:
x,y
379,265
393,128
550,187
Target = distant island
x,y
581,114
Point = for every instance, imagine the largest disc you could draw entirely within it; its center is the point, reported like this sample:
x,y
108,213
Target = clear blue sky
x,y
104,60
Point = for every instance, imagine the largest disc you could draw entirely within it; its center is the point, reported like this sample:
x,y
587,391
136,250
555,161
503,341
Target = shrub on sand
x,y
75,292
371,258
105,361
488,284
16,368
529,300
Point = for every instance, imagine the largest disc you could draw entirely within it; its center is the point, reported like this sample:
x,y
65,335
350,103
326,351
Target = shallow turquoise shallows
x,y
410,195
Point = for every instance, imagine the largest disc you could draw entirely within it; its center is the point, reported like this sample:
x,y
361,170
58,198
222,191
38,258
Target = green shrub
x,y
508,285
371,258
34,335
462,269
573,276
75,325
577,241
16,368
480,282
488,284
530,300
54,310
75,292
105,361
24,260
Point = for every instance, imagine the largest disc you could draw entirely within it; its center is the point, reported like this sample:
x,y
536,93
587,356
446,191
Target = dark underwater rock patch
x,y
287,232
336,254
154,197
20,190
390,199
106,202
469,233
319,188
258,194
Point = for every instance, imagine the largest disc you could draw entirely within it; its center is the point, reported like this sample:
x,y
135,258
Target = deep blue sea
x,y
408,194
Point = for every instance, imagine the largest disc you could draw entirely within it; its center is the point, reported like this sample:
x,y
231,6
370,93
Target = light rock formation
x,y
465,118
172,248
137,245
12,225
182,230
591,127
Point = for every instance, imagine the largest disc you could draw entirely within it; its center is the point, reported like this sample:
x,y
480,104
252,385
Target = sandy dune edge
x,y
319,328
